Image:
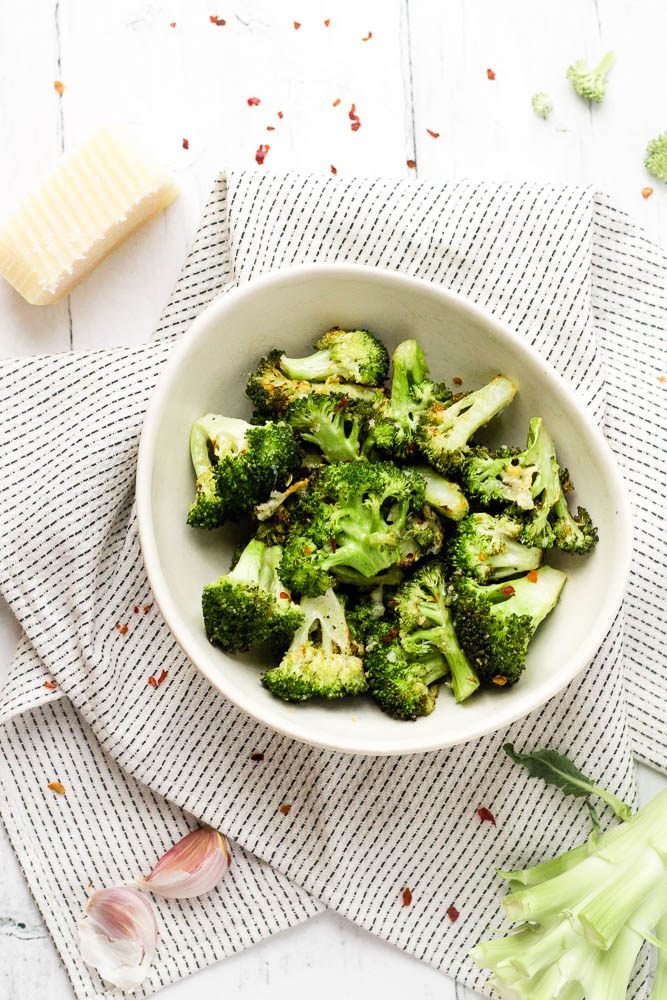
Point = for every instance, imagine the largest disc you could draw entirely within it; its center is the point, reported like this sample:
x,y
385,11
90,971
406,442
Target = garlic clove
x,y
118,936
191,867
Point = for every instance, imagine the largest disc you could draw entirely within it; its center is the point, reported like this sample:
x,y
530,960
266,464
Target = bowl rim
x,y
170,611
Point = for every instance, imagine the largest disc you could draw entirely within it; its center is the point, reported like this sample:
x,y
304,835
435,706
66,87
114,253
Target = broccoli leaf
x,y
556,769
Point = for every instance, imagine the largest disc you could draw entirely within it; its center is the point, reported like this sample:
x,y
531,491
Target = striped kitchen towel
x,y
563,268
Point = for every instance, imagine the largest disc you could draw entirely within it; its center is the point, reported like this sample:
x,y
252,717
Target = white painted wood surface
x,y
424,68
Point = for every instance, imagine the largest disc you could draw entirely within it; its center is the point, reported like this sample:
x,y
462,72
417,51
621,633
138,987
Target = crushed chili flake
x,y
56,786
453,914
261,153
152,681
186,144
136,609
284,596
253,102
407,897
117,625
307,551
368,37
270,128
533,576
59,87
280,114
341,405
285,808
333,543
162,677
333,169
352,113
214,19
435,135
297,25
391,634
147,608
411,163
256,756
508,591
481,557
172,24
336,102
491,75
647,192
51,685
355,126
327,22
123,631
486,815
457,380
499,679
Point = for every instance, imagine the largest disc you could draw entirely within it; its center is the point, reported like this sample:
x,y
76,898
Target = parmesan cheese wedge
x,y
94,200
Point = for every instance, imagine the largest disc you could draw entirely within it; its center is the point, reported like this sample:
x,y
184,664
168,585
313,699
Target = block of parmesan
x,y
95,199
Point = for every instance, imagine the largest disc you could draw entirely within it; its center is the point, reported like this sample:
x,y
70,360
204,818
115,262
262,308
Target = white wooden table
x,y
425,67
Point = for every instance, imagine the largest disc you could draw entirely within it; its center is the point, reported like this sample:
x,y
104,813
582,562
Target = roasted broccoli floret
x,y
487,548
249,604
322,659
572,534
237,466
363,609
542,105
335,424
353,517
495,622
588,82
656,157
271,391
403,684
396,419
445,496
444,430
346,355
422,536
425,624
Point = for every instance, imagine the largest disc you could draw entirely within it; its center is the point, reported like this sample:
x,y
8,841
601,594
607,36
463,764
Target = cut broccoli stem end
x,y
248,569
534,595
317,367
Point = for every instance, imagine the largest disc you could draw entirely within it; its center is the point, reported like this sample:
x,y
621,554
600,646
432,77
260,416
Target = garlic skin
x,y
191,867
118,936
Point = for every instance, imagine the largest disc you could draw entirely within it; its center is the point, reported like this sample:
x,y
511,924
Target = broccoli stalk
x,y
495,622
444,431
486,548
656,157
354,355
249,604
591,83
445,496
321,660
333,424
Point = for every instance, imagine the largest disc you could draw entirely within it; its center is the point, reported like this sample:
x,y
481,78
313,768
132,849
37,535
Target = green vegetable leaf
x,y
556,769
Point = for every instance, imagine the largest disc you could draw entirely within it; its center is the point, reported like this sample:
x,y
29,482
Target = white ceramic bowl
x,y
290,309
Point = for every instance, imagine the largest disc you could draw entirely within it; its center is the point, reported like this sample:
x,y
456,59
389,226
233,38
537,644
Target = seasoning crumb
x,y
499,680
261,153
172,24
56,786
253,102
285,808
152,681
662,378
647,192
214,19
297,25
162,677
336,102
333,169
123,631
355,126
51,685
136,609
411,163
280,114
491,75
434,135
532,576
453,914
327,22
186,144
457,380
117,625
59,87
486,815
147,608
90,883
407,897
368,37
256,756
270,128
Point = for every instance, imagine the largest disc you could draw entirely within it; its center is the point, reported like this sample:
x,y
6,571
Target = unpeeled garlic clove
x,y
118,936
191,867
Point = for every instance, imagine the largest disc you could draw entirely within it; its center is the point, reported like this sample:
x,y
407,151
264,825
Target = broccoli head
x,y
322,660
572,533
237,466
352,517
346,355
495,622
444,495
487,548
364,608
395,420
444,430
249,604
403,684
656,157
588,82
337,425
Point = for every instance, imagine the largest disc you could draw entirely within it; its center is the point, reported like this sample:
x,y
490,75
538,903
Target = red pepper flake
x,y
368,37
59,87
186,144
327,22
391,634
411,163
457,380
253,102
214,19
407,897
532,577
270,128
333,169
435,135
147,608
152,681
508,591
355,126
333,543
336,102
284,596
352,113
261,153
123,631
117,624
393,603
453,914
491,75
162,677
280,114
486,815
647,192
51,685
256,757
136,609
297,25
56,786
307,551
172,24
341,405
285,808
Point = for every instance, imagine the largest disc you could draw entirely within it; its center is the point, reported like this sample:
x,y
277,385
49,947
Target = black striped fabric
x,y
564,269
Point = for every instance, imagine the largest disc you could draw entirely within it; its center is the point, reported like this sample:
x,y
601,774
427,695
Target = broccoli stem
x,y
609,972
605,915
460,420
316,367
250,565
535,599
515,558
541,452
447,497
659,991
410,369
331,439
464,680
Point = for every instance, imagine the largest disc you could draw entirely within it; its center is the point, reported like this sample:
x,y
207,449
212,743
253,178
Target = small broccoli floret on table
x,y
487,548
271,391
542,105
250,604
412,392
656,157
322,660
337,425
347,355
590,82
352,517
495,622
444,430
444,495
237,466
